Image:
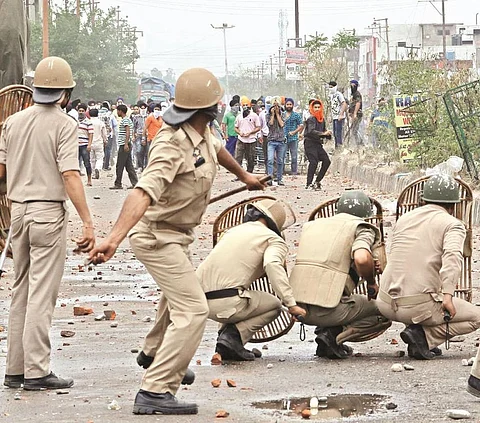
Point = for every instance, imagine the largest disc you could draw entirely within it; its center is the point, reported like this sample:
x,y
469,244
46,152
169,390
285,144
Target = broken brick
x,y
216,359
82,311
67,333
231,383
110,314
216,383
221,414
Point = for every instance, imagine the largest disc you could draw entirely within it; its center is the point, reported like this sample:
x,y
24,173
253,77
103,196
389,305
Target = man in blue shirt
x,y
293,126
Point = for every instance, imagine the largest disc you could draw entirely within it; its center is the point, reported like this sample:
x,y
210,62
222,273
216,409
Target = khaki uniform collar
x,y
194,136
436,207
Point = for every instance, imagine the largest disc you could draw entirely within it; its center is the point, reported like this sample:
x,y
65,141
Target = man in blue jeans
x,y
276,141
338,107
293,126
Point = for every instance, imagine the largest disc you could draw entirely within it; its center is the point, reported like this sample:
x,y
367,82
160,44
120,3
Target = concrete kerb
x,y
382,178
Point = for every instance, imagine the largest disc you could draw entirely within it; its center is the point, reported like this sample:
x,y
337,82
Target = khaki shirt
x,y
243,254
179,191
425,255
37,145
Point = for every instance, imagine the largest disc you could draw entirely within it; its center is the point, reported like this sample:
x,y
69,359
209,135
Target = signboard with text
x,y
403,124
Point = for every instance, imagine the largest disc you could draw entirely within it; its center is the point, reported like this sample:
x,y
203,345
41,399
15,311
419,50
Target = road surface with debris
x,y
100,355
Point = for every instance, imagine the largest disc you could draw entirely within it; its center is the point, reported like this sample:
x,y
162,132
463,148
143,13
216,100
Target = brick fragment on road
x,y
82,311
216,383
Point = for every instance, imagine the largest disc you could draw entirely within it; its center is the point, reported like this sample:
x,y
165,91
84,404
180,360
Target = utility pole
x,y
224,28
297,25
78,8
280,71
376,22
444,33
135,32
118,17
93,8
45,13
271,68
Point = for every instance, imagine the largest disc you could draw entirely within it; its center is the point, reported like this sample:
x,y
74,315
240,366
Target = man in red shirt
x,y
153,123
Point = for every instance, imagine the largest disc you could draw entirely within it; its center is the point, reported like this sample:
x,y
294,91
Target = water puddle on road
x,y
335,406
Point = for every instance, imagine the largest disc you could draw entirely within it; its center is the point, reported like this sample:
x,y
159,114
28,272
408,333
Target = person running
x,y
315,133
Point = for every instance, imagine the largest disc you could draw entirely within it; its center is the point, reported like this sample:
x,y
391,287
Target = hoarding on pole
x,y
403,123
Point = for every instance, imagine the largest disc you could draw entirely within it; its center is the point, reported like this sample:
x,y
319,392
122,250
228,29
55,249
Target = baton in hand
x,y
237,190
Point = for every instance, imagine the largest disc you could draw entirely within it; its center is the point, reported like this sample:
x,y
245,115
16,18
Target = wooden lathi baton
x,y
237,190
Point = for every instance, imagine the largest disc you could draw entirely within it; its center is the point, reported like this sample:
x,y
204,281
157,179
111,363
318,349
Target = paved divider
x,y
382,178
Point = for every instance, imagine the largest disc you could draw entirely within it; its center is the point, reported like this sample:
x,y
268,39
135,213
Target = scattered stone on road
x,y
221,414
396,367
458,414
67,333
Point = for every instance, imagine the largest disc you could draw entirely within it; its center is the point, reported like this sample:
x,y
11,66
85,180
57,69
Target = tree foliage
x,y
99,49
434,133
328,61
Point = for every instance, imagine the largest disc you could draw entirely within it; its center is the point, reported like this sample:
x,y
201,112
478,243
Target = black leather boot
x,y
414,337
50,381
230,346
153,403
327,345
13,381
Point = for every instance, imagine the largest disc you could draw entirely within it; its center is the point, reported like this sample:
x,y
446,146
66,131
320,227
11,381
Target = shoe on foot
x,y
317,186
153,403
145,361
309,186
327,345
230,346
414,337
13,381
281,183
50,381
473,386
116,187
437,351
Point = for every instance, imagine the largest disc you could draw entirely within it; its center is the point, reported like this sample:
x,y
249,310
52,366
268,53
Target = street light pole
x,y
224,28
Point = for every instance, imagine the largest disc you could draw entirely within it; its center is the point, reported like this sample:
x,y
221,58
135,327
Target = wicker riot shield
x,y
410,198
12,99
233,216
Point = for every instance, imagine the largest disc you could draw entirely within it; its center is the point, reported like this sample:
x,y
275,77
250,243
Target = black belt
x,y
38,201
221,293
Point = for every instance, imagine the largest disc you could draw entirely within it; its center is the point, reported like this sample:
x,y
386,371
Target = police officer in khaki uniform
x,y
39,159
424,265
163,209
243,254
333,254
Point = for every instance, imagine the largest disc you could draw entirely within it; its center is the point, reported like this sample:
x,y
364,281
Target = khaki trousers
x,y
249,312
182,310
354,311
430,316
39,251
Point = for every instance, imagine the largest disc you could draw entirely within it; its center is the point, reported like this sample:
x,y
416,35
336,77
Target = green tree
x,y
434,134
100,52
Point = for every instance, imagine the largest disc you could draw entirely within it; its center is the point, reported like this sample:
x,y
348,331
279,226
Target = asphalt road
x,y
100,358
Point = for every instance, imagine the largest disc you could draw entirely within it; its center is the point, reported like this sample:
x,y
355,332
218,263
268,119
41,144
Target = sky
x,y
178,34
